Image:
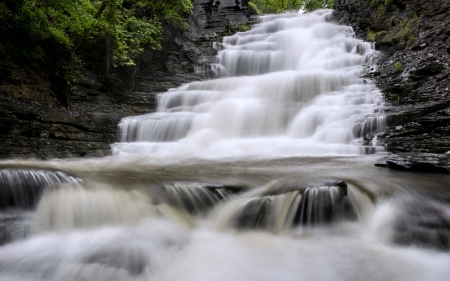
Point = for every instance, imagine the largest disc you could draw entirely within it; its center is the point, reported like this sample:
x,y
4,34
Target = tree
x,y
127,25
279,6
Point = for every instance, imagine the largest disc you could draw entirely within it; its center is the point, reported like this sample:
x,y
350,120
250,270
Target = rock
x,y
193,197
42,118
423,221
322,202
427,162
427,70
22,188
418,93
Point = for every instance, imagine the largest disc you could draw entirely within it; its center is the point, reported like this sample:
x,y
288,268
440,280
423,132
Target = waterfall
x,y
290,86
254,175
23,188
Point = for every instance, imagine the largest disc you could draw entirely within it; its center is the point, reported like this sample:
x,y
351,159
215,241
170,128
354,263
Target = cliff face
x,y
41,117
413,71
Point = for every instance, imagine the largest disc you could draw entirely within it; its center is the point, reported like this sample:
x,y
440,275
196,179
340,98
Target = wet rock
x,y
427,162
413,34
193,197
424,222
23,188
282,187
255,215
41,118
309,205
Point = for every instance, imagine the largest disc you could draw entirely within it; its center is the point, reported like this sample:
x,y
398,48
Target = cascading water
x,y
290,86
289,89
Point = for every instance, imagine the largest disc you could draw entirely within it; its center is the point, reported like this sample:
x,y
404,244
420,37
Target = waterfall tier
x,y
290,86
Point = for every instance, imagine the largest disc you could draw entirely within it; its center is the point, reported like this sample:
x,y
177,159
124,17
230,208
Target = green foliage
x,y
404,33
230,27
398,67
127,25
279,6
381,9
243,27
374,35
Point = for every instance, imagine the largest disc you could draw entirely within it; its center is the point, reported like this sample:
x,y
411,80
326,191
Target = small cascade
x,y
23,188
192,197
87,205
90,205
290,86
293,205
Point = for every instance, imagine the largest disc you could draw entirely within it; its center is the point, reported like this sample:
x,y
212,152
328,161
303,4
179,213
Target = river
x,y
265,173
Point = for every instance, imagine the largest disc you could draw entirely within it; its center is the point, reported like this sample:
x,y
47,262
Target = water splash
x,y
291,86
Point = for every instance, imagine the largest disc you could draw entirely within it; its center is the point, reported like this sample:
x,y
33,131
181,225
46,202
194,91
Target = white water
x,y
291,86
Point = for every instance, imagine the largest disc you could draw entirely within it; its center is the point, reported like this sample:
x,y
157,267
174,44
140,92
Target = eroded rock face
x,y
413,71
41,117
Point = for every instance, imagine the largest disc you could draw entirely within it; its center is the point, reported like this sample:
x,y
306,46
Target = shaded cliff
x,y
414,39
42,117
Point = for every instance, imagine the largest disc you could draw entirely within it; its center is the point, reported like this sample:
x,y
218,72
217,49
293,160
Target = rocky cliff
x,y
413,71
40,116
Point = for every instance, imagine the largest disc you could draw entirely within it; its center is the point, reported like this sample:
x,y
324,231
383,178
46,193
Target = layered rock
x,y
413,70
41,117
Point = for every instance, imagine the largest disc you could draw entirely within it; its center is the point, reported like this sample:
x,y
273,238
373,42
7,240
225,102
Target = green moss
x,y
374,35
381,10
230,27
398,67
243,27
404,33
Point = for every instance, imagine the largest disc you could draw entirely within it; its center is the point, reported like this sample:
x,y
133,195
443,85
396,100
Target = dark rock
x,y
41,117
314,204
193,197
423,221
428,70
254,215
23,188
411,34
427,163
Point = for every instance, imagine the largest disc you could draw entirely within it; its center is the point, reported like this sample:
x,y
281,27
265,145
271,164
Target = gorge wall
x,y
41,117
413,70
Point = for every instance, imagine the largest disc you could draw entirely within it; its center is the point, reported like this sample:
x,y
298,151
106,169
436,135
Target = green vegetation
x,y
404,33
279,6
398,67
381,9
126,26
244,27
231,28
373,36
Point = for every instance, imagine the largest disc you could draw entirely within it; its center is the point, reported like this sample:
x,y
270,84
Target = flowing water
x,y
265,173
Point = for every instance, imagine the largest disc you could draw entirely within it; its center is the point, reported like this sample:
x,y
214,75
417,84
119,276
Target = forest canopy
x,y
125,25
279,6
